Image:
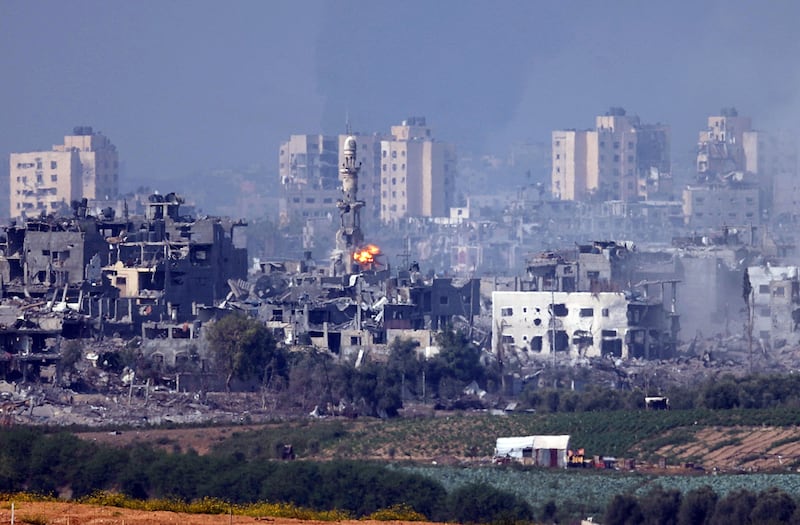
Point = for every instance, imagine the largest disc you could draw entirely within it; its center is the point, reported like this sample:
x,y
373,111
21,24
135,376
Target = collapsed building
x,y
163,269
89,276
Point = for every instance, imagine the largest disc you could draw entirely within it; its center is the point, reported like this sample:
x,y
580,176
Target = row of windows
x,y
39,205
560,310
731,215
402,167
312,200
39,178
394,194
559,339
394,154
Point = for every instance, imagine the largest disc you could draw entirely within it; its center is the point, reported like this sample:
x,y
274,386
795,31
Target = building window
x,y
616,158
394,167
764,311
616,145
506,312
560,310
604,312
779,291
586,312
444,300
53,178
394,154
764,288
53,165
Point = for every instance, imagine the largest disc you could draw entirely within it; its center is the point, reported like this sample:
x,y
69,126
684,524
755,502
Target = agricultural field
x,y
590,491
738,440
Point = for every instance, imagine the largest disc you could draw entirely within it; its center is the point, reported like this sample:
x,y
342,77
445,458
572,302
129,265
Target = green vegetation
x,y
243,348
702,505
617,433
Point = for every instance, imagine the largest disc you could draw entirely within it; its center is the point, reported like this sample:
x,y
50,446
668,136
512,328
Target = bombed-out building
x,y
581,302
774,303
120,272
584,324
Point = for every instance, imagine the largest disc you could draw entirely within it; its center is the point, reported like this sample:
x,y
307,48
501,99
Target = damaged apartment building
x,y
122,275
774,301
346,314
581,304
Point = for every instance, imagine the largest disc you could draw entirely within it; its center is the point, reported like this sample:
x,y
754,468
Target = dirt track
x,y
76,514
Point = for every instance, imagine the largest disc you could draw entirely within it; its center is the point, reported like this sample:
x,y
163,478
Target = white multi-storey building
x,y
417,173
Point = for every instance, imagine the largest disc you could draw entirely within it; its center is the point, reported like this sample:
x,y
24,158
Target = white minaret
x,y
349,236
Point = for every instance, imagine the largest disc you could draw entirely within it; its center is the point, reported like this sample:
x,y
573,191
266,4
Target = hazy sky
x,y
182,86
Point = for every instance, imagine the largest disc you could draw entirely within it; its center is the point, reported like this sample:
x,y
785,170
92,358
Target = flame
x,y
366,255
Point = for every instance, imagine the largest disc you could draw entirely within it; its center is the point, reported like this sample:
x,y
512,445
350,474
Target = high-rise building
x,y
86,165
725,146
308,166
620,159
417,173
731,153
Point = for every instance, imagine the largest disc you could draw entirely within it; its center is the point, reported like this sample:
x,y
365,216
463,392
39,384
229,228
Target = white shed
x,y
544,451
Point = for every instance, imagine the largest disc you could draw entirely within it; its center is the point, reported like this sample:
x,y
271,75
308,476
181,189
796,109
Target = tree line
x,y
754,391
244,349
36,461
702,506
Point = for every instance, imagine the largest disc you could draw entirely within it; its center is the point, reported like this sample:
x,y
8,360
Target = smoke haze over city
x,y
182,87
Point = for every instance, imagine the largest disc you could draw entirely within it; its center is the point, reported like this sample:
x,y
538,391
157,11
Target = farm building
x,y
543,451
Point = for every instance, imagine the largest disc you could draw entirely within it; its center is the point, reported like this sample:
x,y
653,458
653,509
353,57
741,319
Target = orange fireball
x,y
366,256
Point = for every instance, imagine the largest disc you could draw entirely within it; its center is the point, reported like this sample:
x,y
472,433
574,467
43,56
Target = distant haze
x,y
187,86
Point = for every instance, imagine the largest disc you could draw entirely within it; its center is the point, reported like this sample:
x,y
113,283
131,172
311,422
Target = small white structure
x,y
543,451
